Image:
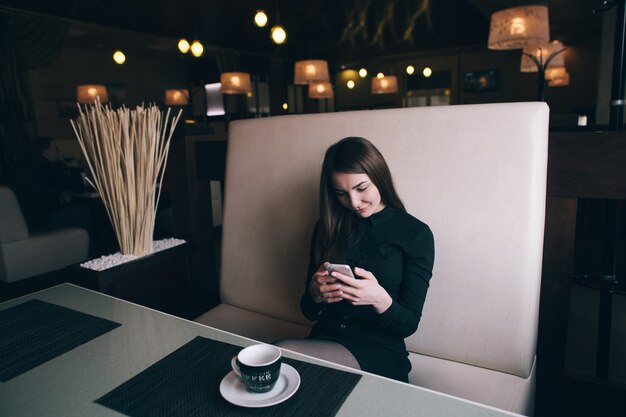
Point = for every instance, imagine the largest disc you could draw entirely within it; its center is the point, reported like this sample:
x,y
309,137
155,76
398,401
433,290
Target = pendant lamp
x,y
385,85
310,70
235,83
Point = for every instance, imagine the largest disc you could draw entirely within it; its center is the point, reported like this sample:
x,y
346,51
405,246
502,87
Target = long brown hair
x,y
353,155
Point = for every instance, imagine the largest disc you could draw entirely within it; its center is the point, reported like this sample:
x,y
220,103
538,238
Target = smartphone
x,y
344,269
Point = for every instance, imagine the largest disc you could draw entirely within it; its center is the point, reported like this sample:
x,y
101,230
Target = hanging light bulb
x,y
279,36
362,73
183,46
197,49
119,57
350,84
260,18
427,72
410,69
380,75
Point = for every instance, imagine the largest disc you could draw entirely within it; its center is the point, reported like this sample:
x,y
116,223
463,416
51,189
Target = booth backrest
x,y
476,174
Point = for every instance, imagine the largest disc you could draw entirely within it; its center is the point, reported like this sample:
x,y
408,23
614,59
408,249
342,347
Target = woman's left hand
x,y
365,291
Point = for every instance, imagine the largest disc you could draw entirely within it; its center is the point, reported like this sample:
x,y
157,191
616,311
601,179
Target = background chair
x,y
24,255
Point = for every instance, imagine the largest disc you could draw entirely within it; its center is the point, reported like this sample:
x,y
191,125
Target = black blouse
x,y
399,250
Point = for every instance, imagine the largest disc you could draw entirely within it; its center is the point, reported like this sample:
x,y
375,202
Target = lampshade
x,y
542,53
87,93
311,70
177,97
386,85
518,27
557,77
235,83
320,89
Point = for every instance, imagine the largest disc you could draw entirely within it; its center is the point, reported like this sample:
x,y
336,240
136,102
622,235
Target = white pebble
x,y
109,261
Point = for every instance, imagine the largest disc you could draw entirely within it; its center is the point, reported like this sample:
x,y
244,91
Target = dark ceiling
x,y
331,29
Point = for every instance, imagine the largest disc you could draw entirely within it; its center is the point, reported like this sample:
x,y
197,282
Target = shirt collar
x,y
377,218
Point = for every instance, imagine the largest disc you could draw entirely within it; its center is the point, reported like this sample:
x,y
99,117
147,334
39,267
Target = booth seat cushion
x,y
497,389
42,253
251,324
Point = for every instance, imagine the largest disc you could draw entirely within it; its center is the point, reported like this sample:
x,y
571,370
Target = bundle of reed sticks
x,y
126,151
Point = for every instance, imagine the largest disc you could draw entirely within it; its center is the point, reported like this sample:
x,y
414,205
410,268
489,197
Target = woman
x,y
362,322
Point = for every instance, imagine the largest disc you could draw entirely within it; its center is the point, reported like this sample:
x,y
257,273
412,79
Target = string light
x,y
197,49
119,57
260,18
279,36
183,46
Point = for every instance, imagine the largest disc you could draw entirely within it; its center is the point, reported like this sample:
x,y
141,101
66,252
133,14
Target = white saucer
x,y
234,391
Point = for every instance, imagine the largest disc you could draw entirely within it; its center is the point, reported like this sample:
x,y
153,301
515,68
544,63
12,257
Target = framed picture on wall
x,y
478,81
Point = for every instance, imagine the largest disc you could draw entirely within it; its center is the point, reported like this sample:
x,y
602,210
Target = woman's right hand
x,y
325,288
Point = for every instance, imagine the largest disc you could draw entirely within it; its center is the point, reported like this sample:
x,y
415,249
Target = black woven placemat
x,y
35,332
186,383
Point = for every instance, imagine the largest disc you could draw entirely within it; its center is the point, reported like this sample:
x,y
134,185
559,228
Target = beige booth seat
x,y
476,174
24,255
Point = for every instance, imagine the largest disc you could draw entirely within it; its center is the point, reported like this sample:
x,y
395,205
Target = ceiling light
x,y
260,18
197,49
427,72
362,73
524,27
547,55
183,46
87,93
410,69
279,36
557,77
119,57
320,89
310,70
177,97
518,27
350,84
385,85
235,83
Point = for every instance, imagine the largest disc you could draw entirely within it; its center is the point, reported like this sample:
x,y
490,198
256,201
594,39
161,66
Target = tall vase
x,y
126,152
